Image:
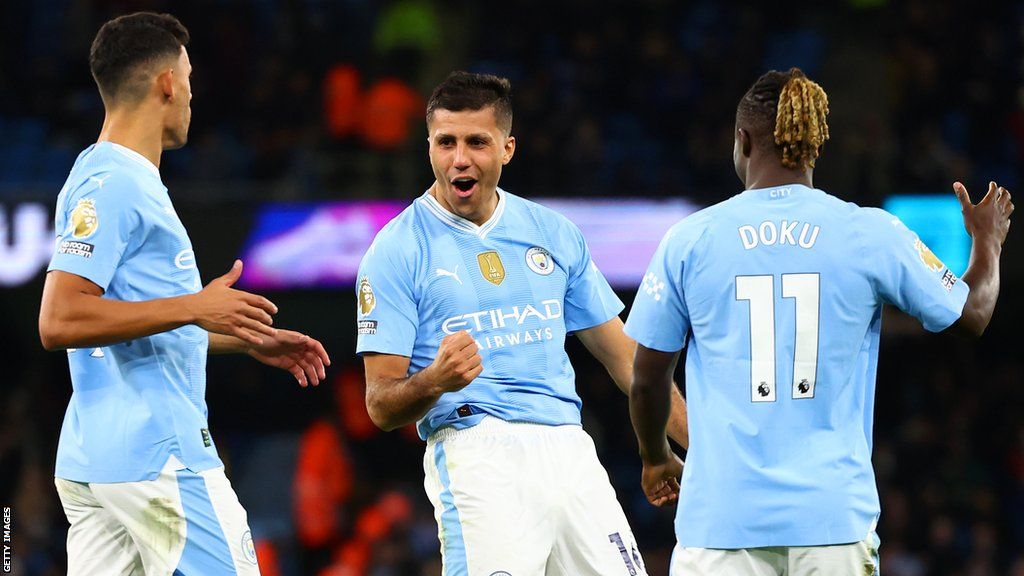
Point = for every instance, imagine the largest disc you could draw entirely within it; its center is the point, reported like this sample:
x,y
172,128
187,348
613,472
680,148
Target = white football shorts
x,y
517,499
183,524
856,559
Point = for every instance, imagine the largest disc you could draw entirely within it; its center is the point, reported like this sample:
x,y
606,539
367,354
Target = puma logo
x,y
454,274
99,179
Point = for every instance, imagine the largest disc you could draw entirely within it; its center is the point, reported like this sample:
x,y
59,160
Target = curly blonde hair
x,y
797,105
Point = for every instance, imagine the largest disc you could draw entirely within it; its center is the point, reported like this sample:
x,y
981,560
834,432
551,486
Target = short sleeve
x,y
909,276
95,227
659,319
386,314
589,299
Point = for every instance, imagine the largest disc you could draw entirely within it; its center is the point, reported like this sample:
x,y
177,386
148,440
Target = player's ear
x,y
743,137
510,150
165,82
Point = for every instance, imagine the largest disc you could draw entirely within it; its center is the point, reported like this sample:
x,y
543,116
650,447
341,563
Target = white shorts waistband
x,y
491,426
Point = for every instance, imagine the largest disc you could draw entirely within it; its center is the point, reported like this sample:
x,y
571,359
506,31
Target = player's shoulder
x,y
545,218
98,176
694,226
398,237
876,222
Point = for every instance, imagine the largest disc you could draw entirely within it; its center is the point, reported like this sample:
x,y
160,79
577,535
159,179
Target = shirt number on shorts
x,y
632,566
759,292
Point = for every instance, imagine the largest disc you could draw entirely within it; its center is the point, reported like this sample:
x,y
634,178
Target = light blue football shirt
x,y
518,283
780,292
135,403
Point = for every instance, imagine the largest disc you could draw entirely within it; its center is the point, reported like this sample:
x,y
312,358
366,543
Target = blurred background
x,y
308,133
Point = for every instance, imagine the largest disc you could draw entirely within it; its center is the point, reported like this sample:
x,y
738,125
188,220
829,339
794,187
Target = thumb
x,y
990,196
961,194
233,274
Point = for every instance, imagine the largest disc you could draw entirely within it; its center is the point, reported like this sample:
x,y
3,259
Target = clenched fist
x,y
458,362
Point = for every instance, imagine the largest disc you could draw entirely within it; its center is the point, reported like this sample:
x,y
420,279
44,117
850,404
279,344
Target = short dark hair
x,y
127,42
468,91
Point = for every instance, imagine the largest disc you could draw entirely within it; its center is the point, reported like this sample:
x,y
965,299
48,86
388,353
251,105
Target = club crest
x,y
539,260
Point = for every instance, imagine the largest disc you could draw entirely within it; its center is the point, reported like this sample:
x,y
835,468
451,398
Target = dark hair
x,y
468,91
786,110
127,42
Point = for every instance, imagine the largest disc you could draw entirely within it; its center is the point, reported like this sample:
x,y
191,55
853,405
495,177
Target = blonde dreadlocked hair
x,y
787,110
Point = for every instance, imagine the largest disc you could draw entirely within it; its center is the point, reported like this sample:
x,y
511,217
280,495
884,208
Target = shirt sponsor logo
x,y
367,301
539,260
499,318
367,327
949,280
491,267
83,249
84,219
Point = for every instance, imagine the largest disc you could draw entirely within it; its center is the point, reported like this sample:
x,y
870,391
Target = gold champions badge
x,y
367,301
928,257
491,267
84,220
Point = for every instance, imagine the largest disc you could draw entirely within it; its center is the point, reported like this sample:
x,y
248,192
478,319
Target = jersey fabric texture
x,y
780,293
518,283
135,403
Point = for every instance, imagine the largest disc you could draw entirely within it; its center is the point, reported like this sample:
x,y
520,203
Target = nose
x,y
461,160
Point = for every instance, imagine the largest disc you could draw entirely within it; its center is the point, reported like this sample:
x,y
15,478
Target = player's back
x,y
783,291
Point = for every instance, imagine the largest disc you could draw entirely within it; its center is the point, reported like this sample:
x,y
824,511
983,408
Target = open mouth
x,y
464,186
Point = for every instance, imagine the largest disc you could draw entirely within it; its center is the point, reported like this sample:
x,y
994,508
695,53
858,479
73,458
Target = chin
x,y
175,143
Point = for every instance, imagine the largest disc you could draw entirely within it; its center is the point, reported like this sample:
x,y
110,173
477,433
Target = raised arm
x,y
394,398
73,313
987,222
615,351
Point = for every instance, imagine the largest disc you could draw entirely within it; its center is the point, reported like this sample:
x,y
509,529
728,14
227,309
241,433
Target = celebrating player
x,y
465,300
779,291
137,470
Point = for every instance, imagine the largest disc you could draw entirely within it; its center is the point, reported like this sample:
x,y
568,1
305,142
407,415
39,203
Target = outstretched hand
x,y
297,353
660,480
221,309
991,216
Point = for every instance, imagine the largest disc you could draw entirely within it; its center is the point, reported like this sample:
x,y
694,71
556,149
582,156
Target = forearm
x,y
982,276
650,403
616,352
225,344
393,403
678,428
85,320
621,372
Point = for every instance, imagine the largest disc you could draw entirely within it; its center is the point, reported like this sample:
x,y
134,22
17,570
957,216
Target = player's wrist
x,y
987,243
186,307
655,455
429,382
